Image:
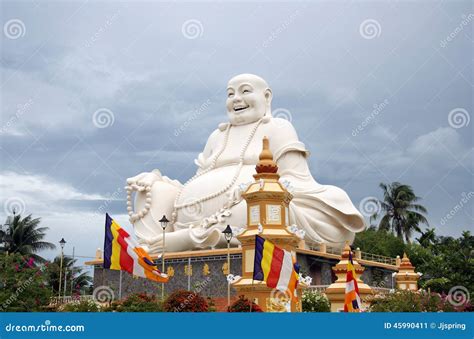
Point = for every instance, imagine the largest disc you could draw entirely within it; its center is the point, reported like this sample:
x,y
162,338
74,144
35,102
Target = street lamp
x,y
228,236
62,242
164,223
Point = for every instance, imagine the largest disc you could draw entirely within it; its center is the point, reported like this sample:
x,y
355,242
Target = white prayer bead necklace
x,y
146,208
211,167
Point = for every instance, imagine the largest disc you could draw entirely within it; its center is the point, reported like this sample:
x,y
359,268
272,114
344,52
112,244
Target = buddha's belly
x,y
208,184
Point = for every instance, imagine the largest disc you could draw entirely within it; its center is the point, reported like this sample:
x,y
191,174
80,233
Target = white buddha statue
x,y
202,207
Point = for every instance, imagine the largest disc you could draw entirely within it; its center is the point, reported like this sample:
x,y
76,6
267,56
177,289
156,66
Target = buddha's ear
x,y
268,95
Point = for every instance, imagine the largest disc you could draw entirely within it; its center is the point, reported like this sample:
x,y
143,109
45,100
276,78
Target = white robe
x,y
325,212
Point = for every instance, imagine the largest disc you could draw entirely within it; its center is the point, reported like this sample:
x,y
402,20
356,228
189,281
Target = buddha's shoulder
x,y
281,128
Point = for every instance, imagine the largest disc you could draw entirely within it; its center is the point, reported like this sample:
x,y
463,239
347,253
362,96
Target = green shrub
x,y
313,301
409,301
243,305
139,302
23,285
185,301
83,306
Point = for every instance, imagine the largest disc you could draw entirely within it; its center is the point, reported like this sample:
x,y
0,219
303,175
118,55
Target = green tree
x,y
24,236
445,263
23,285
379,242
400,213
427,238
74,275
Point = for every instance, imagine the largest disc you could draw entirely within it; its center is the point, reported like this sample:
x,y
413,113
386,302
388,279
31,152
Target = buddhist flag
x,y
121,252
352,300
276,266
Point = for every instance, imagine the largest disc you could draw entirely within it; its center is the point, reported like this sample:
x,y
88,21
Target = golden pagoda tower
x,y
267,216
336,292
406,277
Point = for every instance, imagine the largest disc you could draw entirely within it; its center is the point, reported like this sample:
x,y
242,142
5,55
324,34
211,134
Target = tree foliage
x,y
24,236
185,301
315,302
74,275
400,212
23,284
379,242
243,305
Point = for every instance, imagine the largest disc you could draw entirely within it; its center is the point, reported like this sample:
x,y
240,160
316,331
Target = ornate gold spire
x,y
266,163
406,263
346,250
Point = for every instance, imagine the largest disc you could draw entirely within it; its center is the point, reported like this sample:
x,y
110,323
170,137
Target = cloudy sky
x,y
95,92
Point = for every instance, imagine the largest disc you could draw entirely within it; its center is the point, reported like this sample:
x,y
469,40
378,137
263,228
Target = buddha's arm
x,y
293,166
208,150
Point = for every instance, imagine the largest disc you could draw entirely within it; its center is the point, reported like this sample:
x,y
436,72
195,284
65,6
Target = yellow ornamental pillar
x,y
267,216
336,292
406,277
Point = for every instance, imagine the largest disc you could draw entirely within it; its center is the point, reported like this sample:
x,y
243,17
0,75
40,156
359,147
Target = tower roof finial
x,y
266,163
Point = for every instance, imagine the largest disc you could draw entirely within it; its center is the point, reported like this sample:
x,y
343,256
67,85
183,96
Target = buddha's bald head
x,y
248,99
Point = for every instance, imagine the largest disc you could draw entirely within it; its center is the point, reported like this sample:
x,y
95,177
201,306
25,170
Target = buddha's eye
x,y
230,95
246,91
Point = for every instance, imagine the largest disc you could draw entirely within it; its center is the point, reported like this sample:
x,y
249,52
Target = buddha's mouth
x,y
240,108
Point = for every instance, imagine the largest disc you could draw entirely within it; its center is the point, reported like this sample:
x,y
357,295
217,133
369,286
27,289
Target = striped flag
x,y
121,252
276,266
352,299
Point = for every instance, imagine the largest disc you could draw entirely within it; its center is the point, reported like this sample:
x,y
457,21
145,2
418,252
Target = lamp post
x,y
228,236
164,223
62,242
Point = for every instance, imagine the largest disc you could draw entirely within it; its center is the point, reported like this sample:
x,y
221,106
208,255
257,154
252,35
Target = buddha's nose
x,y
237,98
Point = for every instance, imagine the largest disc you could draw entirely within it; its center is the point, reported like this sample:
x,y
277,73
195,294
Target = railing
x,y
378,258
377,290
318,288
382,290
54,301
321,247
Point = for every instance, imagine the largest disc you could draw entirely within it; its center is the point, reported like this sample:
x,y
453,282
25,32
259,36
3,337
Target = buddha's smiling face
x,y
248,99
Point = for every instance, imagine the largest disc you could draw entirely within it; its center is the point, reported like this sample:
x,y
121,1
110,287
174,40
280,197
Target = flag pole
x,y
251,301
120,286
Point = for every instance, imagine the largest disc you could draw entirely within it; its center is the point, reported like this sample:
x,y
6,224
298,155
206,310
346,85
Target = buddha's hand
x,y
144,180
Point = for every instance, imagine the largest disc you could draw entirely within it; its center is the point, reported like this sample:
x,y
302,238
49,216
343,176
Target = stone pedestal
x,y
336,292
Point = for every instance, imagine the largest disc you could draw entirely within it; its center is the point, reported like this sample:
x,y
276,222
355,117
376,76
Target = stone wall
x,y
207,275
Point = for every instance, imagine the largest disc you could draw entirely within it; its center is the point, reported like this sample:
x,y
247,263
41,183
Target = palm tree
x,y
399,211
24,236
427,238
73,274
